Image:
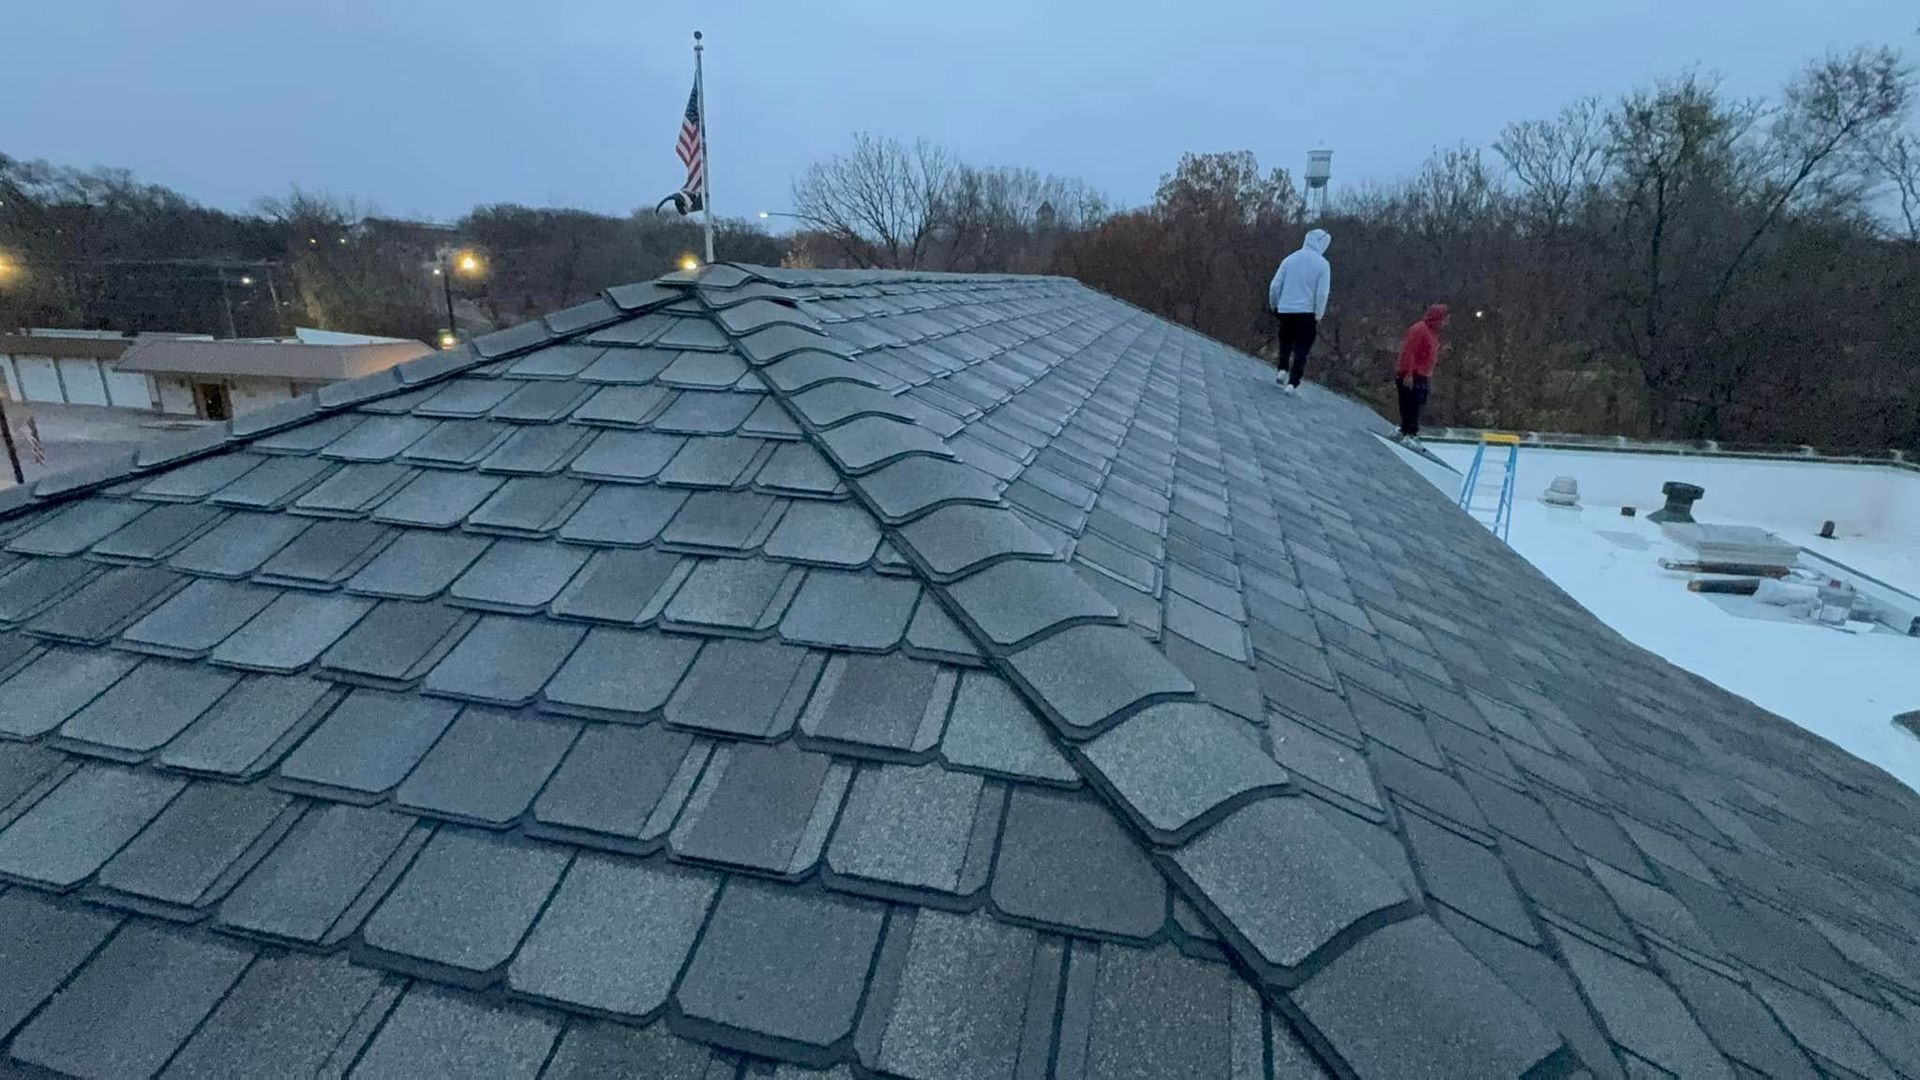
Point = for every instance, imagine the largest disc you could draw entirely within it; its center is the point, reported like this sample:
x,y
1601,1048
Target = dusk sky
x,y
426,107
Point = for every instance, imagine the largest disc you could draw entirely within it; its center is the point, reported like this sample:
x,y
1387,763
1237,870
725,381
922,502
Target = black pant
x,y
1411,399
1297,329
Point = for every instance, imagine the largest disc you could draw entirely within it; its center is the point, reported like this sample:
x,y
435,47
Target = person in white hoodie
x,y
1298,297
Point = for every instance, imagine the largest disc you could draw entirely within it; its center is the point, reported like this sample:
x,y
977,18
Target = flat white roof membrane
x,y
1844,686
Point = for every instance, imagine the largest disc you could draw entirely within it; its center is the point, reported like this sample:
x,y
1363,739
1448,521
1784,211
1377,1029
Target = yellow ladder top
x,y
1501,437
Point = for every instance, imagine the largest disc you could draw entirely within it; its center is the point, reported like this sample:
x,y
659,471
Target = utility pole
x,y
446,286
226,302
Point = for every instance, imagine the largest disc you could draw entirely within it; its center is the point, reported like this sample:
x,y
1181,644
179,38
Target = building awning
x,y
267,359
63,348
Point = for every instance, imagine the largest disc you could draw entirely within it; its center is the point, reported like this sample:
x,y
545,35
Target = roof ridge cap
x,y
1137,736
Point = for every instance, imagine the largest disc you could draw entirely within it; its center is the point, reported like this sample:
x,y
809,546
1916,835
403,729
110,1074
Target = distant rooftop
x,y
297,361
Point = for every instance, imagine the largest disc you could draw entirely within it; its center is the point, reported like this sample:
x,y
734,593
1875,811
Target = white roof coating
x,y
1845,687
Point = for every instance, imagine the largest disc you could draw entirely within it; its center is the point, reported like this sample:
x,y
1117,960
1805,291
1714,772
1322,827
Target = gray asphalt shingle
x,y
911,830
1408,1001
879,706
748,689
395,643
763,808
314,886
158,533
825,534
291,632
44,944
614,937
128,1010
619,675
239,545
723,522
324,555
736,596
195,850
780,971
75,828
196,619
1177,767
850,611
417,565
293,1010
432,1033
1285,879
517,576
463,906
487,767
1066,863
620,787
248,730
503,660
152,704
368,743
105,605
622,516
56,685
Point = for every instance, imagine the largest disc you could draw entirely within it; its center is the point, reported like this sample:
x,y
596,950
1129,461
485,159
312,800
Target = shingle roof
x,y
765,671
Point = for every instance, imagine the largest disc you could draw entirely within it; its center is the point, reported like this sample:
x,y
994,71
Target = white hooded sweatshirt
x,y
1304,279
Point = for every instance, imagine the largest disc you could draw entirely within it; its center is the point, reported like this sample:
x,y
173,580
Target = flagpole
x,y
706,197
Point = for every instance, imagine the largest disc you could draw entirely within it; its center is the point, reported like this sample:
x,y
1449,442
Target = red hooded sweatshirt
x,y
1421,350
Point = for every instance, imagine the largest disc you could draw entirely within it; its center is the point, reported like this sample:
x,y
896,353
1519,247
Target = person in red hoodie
x,y
1418,353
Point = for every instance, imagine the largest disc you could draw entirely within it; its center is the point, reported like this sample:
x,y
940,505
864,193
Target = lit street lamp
x,y
465,262
689,262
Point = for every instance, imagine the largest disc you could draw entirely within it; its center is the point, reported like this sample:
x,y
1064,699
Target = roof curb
x,y
1237,837
178,448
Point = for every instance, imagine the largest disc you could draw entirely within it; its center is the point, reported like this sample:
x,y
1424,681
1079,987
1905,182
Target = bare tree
x,y
880,201
1558,163
1836,112
1899,164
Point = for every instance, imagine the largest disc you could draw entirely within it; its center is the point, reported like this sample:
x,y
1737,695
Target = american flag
x,y
693,148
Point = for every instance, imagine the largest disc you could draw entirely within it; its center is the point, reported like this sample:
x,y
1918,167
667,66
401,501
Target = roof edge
x,y
166,451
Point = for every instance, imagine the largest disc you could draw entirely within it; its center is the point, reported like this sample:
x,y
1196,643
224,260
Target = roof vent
x,y
1564,491
1680,500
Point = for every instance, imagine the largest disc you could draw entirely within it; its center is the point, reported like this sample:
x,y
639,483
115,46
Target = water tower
x,y
1319,171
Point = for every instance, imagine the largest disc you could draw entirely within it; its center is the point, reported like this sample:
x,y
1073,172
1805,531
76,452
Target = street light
x,y
689,263
246,279
465,262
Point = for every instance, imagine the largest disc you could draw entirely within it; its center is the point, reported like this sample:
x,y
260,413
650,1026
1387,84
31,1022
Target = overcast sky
x,y
426,107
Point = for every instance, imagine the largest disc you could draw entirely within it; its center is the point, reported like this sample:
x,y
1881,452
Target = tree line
x,y
1675,262
98,249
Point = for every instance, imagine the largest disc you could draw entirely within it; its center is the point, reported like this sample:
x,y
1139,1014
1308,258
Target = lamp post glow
x,y
689,263
466,262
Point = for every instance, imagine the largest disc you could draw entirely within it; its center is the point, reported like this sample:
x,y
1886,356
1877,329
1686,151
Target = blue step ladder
x,y
1496,514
